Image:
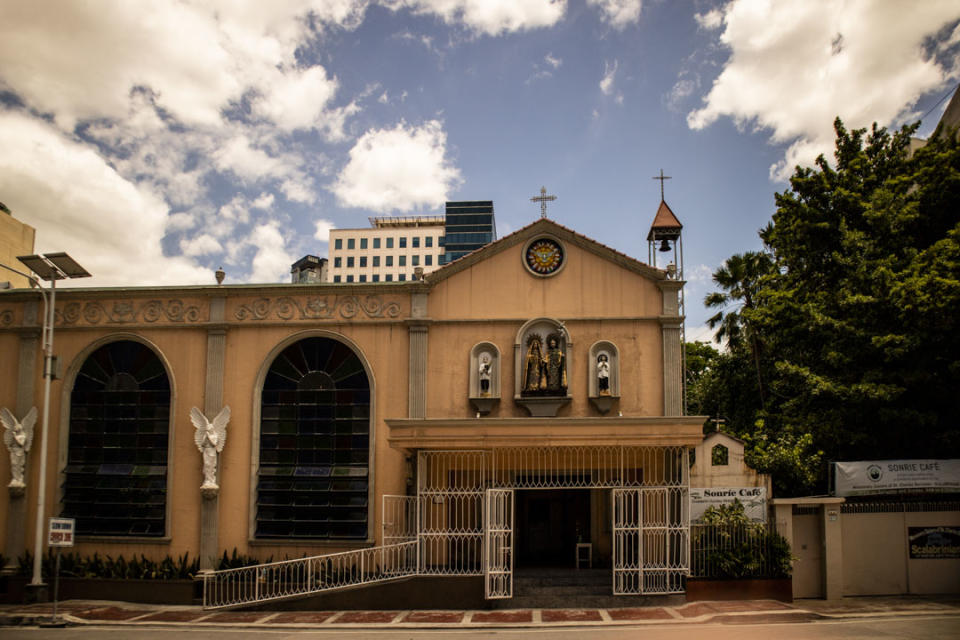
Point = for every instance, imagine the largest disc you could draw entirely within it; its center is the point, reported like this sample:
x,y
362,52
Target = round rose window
x,y
544,256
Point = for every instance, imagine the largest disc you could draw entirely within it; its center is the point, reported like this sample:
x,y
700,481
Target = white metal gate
x,y
651,541
498,547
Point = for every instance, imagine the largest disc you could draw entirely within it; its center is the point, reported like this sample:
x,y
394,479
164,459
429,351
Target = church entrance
x,y
549,524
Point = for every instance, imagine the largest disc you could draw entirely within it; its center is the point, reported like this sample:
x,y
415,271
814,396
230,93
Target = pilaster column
x,y
418,328
212,403
26,384
671,328
417,401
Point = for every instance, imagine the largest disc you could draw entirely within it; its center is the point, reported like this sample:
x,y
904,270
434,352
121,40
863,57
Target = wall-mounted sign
x,y
61,532
889,476
934,542
753,499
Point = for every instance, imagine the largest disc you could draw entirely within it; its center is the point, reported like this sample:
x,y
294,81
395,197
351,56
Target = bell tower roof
x,y
665,223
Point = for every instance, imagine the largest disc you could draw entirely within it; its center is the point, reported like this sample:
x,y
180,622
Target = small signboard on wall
x,y
753,499
890,476
934,543
61,532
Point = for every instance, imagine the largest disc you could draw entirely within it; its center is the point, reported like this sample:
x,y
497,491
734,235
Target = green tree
x,y
861,311
740,278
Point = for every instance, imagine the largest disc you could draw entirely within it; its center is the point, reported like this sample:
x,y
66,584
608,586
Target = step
x,y
588,602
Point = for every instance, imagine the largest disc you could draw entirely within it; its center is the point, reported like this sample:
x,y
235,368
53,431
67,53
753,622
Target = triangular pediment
x,y
545,226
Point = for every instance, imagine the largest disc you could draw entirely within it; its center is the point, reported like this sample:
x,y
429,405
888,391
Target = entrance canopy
x,y
490,433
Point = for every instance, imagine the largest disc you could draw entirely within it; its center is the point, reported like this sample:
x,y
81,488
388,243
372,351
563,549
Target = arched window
x,y
314,444
116,475
719,456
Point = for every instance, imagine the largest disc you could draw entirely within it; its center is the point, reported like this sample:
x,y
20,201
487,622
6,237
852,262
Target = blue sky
x,y
158,141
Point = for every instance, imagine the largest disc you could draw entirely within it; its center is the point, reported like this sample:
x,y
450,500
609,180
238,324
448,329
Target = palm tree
x,y
740,278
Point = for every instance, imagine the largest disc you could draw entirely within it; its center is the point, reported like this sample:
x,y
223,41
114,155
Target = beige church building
x,y
521,406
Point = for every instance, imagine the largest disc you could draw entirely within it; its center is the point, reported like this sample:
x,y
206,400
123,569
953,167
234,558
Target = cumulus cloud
x,y
489,17
619,14
398,169
204,244
795,65
79,204
323,228
710,20
271,262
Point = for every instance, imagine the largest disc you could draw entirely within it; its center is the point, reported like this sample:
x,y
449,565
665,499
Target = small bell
x,y
664,245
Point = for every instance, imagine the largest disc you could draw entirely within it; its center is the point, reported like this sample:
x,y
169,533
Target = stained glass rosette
x,y
544,256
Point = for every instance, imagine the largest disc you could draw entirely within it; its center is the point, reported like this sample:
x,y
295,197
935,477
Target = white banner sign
x,y
61,532
753,499
888,476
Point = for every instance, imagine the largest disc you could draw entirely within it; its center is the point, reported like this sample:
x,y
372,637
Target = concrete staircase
x,y
572,588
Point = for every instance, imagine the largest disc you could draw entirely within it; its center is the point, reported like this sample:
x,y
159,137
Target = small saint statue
x,y
603,375
484,373
555,367
18,436
210,438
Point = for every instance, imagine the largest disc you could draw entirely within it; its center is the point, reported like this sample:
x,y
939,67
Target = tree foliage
x,y
852,329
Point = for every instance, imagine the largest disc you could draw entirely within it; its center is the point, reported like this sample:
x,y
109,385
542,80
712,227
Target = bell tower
x,y
665,238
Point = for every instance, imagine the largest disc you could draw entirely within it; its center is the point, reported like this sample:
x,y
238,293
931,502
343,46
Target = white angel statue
x,y
210,438
18,436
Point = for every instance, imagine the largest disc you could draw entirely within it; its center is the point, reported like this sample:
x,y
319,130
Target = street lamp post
x,y
50,267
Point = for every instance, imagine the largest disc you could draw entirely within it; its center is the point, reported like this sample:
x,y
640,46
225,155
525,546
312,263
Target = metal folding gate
x,y
651,540
498,538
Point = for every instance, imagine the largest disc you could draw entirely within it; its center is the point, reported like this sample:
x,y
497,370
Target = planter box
x,y
143,591
743,589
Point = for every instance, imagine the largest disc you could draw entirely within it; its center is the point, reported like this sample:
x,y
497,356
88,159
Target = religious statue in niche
x,y
544,374
210,438
533,367
603,375
555,367
484,374
18,436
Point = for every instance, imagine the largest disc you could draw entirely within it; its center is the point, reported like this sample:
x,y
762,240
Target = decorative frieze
x,y
122,312
317,308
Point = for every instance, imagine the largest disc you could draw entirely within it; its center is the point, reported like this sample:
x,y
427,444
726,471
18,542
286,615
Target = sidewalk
x,y
83,612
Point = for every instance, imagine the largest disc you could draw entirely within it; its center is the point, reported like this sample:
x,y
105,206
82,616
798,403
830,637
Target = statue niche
x,y
544,371
484,377
542,361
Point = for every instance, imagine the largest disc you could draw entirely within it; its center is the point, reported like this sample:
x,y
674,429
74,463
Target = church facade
x,y
515,408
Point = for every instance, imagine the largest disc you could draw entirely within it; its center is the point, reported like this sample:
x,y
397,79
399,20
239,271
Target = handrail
x,y
304,576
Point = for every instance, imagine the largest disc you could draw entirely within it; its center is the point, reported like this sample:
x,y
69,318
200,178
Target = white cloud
x,y
545,69
204,244
700,333
271,263
681,90
553,61
710,20
489,17
619,14
297,99
398,169
795,65
264,201
609,74
79,204
323,228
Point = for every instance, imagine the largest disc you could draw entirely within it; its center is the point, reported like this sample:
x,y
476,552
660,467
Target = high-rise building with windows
x,y
393,248
468,226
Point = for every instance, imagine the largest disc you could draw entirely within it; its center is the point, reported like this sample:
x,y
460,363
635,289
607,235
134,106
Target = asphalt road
x,y
880,628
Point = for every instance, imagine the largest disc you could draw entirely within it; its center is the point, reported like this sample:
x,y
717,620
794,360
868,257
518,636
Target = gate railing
x,y
304,576
747,550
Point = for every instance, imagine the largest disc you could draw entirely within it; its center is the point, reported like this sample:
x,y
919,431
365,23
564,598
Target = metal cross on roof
x,y
543,199
661,178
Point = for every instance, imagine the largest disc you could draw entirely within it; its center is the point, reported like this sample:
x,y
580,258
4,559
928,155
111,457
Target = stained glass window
x,y
314,444
116,475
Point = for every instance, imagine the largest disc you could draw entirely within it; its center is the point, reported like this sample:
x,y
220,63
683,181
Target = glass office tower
x,y
469,225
